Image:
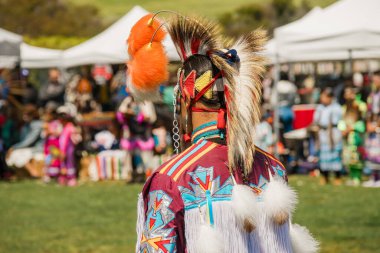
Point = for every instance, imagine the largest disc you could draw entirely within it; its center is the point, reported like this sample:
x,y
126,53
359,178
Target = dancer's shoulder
x,y
275,164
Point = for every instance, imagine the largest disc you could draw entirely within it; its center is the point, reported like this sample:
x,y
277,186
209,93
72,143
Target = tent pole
x,y
315,73
276,123
291,73
350,62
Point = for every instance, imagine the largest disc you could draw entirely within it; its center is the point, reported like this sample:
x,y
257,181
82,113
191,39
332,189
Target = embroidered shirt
x,y
195,178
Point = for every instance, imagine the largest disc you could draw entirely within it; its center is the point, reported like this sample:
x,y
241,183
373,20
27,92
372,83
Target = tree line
x,y
61,24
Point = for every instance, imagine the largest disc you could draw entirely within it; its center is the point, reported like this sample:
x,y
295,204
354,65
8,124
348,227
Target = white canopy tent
x,y
110,45
38,57
290,31
13,50
291,56
9,48
348,28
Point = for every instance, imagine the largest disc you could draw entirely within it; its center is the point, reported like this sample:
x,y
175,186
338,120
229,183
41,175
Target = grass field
x,y
100,217
113,9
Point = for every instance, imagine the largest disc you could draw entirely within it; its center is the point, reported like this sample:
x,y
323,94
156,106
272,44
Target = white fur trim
x,y
302,240
209,240
268,237
140,220
244,203
279,197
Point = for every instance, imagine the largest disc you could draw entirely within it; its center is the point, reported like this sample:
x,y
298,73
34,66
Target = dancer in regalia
x,y
221,193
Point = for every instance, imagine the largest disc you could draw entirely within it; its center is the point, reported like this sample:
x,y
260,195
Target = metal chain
x,y
176,135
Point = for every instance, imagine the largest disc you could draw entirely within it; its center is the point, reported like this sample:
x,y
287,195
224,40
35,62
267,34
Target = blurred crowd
x,y
328,125
86,124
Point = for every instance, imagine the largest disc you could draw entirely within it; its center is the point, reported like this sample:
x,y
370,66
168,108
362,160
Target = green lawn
x,y
100,217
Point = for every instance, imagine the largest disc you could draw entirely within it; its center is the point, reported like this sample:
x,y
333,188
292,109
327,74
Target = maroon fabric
x,y
216,158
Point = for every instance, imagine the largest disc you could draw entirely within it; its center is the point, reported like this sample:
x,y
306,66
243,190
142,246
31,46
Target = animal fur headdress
x,y
240,69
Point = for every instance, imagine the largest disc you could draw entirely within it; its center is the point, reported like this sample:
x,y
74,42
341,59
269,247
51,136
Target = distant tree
x,y
55,41
49,17
268,16
243,19
285,11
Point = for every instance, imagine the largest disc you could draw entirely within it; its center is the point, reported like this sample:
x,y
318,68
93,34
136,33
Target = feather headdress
x,y
243,99
242,79
191,36
240,69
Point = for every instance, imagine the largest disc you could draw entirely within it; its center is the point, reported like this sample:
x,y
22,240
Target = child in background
x,y
52,131
67,141
327,116
352,127
137,120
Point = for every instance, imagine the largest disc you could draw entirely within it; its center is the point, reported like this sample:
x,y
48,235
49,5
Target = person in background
x,y
51,132
30,95
53,90
286,98
327,116
67,141
118,87
338,87
29,148
363,90
373,133
84,100
9,123
267,87
307,91
264,138
161,143
352,126
102,74
5,79
5,127
137,119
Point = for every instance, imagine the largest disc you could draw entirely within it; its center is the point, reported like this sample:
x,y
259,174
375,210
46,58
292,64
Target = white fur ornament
x,y
302,240
245,205
279,200
140,96
209,240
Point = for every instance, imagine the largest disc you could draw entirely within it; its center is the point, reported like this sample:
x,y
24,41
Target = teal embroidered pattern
x,y
205,187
